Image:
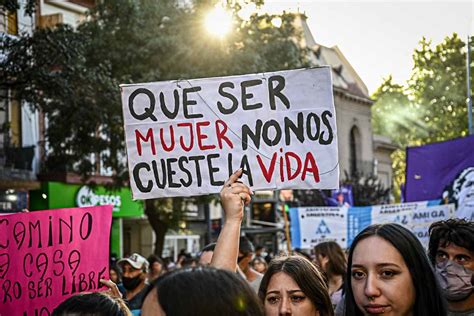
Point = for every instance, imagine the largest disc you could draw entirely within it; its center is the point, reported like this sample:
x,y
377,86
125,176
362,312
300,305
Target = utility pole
x,y
469,100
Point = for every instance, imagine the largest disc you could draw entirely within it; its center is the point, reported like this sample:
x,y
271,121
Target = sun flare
x,y
218,22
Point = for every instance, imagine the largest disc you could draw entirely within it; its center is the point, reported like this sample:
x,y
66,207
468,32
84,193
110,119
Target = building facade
x,y
360,151
19,129
22,148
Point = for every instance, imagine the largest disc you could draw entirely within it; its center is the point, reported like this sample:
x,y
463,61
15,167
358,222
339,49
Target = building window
x,y
355,148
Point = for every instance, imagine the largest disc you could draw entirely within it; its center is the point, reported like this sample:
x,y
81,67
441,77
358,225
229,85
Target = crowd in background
x,y
386,271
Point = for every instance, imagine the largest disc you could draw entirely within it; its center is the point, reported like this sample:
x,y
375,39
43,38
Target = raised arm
x,y
234,196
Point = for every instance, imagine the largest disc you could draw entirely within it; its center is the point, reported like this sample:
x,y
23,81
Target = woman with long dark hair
x,y
331,259
201,291
389,274
292,285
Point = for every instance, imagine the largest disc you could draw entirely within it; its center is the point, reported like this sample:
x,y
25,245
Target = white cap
x,y
135,260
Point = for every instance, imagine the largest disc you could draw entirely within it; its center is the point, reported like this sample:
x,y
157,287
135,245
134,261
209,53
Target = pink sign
x,y
48,256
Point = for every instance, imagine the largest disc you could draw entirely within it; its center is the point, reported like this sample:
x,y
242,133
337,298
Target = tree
x,y
395,115
431,107
438,84
72,75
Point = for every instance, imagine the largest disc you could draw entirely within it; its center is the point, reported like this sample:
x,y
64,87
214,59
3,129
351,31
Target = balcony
x,y
16,163
19,157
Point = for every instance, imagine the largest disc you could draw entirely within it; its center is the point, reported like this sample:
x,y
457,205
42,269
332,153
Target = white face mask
x,y
455,280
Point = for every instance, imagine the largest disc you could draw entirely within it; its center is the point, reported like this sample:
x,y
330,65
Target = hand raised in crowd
x,y
113,288
234,195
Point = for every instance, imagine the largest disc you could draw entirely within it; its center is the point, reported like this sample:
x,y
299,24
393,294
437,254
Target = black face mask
x,y
131,283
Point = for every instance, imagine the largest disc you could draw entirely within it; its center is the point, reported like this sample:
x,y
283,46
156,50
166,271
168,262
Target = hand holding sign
x,y
185,137
234,195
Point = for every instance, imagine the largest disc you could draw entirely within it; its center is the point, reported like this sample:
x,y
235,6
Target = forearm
x,y
227,247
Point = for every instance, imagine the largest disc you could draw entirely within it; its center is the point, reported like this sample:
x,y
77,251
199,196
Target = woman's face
x,y
259,266
156,267
113,276
381,281
284,297
322,261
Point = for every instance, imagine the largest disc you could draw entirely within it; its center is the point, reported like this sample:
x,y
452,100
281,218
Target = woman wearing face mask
x,y
451,250
390,274
294,286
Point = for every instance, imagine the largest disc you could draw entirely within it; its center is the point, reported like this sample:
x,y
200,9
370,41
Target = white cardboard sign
x,y
185,137
321,224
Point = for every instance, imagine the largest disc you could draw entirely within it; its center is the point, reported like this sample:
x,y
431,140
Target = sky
x,y
378,37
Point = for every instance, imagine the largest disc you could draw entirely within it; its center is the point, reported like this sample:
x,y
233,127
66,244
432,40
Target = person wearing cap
x,y
134,280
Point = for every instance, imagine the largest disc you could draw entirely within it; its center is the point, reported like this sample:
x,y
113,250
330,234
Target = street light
x,y
218,21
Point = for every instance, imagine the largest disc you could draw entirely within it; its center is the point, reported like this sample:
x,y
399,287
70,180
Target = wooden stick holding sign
x,y
185,137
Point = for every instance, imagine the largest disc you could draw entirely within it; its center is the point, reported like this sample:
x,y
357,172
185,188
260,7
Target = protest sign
x,y
311,225
48,256
186,137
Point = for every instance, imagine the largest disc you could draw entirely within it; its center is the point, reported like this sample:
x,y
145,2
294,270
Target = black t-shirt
x,y
137,301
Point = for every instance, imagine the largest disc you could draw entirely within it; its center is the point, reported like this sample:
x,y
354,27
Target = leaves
x,y
431,107
73,75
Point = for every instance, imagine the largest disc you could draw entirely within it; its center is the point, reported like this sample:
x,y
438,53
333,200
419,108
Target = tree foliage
x,y
73,75
438,84
430,107
13,5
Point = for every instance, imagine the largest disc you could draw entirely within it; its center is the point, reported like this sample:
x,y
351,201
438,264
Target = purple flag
x,y
433,168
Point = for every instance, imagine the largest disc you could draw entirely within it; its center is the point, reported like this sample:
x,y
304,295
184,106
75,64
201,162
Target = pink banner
x,y
48,256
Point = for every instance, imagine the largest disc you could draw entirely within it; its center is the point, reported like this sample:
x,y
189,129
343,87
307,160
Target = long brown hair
x,y
337,260
306,275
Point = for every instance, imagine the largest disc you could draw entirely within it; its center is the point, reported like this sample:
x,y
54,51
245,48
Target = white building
x,y
359,149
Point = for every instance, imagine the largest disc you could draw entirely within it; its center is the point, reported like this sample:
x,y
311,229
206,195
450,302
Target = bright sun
x,y
218,22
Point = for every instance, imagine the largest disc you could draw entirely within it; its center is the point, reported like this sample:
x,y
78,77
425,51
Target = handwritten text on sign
x,y
186,137
47,256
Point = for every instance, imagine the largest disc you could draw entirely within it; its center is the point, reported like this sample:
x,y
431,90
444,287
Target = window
x,y
355,148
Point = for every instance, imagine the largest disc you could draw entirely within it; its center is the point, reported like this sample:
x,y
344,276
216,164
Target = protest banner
x,y
48,256
311,225
394,213
431,173
185,137
423,217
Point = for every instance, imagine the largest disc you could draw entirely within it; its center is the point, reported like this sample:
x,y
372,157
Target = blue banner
x,y
313,225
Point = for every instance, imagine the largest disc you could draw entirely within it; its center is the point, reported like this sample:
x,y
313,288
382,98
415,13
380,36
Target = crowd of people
x,y
386,271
